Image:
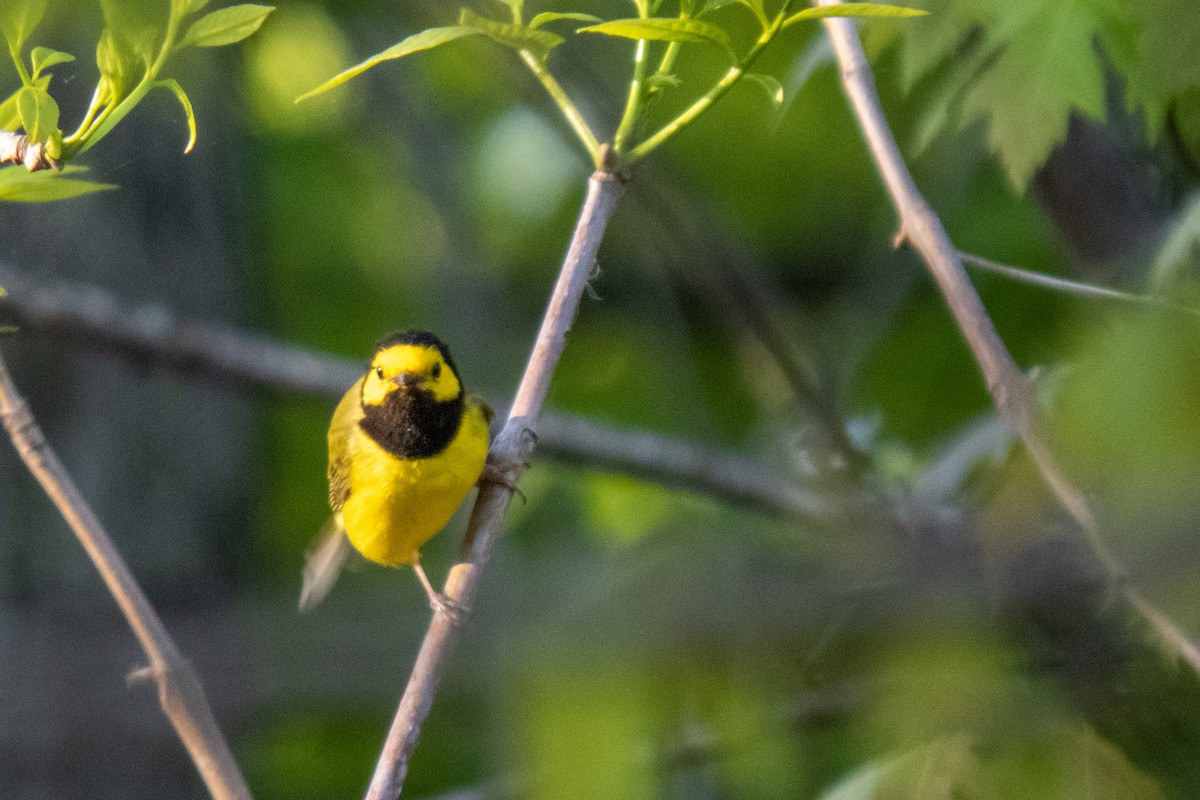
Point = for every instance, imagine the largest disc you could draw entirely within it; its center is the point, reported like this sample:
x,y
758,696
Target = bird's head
x,y
412,361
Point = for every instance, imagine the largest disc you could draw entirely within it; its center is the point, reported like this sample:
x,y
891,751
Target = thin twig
x,y
93,316
179,690
1010,390
509,458
1076,288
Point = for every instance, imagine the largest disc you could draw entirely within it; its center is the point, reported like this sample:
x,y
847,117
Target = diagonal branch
x,y
1010,390
179,690
508,458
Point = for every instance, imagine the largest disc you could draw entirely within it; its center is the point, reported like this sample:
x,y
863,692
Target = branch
x,y
94,316
16,149
1010,390
179,690
509,458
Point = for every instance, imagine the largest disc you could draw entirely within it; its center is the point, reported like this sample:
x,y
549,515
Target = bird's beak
x,y
404,379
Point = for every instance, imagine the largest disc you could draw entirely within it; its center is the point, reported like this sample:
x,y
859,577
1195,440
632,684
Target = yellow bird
x,y
406,444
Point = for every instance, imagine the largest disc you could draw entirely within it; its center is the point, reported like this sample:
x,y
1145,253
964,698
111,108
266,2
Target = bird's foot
x,y
493,473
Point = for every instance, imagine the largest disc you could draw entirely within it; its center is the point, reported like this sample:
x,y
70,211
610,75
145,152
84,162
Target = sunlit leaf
x,y
10,115
184,7
770,85
18,18
539,43
39,113
136,27
755,6
225,26
853,10
424,40
17,185
551,16
663,29
43,58
174,88
115,64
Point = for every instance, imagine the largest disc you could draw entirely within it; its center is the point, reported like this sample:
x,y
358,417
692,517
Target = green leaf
x,y
225,26
755,6
172,85
10,115
43,58
539,43
1048,70
853,10
550,16
39,113
424,40
20,186
136,28
114,63
515,7
18,18
663,29
185,7
770,85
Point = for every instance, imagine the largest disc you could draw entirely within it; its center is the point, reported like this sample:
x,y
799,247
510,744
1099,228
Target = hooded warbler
x,y
406,444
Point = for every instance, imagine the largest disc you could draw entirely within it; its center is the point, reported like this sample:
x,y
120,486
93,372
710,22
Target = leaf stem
x,y
632,103
722,86
566,106
26,79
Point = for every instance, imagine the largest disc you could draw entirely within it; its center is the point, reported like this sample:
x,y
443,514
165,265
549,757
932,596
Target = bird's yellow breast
x,y
395,505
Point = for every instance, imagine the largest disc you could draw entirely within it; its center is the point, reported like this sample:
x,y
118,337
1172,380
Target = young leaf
x,y
173,86
539,43
755,6
853,10
181,8
18,18
225,26
770,85
663,29
20,186
424,40
43,58
114,64
39,113
10,116
551,16
136,27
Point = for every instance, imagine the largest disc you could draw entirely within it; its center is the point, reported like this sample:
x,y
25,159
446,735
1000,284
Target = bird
x,y
406,445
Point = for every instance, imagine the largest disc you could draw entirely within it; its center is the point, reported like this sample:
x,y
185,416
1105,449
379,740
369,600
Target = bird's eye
x,y
437,370
379,373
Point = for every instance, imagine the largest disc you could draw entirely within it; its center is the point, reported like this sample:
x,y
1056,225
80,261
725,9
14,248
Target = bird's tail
x,y
323,562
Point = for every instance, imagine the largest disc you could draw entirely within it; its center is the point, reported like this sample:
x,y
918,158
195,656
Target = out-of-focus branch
x,y
179,690
509,458
921,228
93,316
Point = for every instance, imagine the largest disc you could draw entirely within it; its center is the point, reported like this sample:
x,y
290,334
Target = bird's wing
x,y
341,429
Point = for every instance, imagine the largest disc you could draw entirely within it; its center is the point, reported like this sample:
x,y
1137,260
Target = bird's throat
x,y
411,424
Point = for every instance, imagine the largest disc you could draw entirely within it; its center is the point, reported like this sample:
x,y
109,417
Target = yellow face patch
x,y
414,365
